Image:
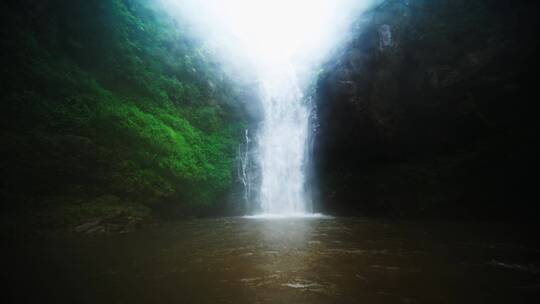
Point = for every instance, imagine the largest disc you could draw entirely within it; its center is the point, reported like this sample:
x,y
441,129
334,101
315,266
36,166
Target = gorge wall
x,y
111,107
427,111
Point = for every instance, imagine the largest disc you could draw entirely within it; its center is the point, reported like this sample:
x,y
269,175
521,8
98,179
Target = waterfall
x,y
283,143
279,44
244,168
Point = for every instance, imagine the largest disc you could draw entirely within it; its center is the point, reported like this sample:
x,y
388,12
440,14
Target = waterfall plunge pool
x,y
298,260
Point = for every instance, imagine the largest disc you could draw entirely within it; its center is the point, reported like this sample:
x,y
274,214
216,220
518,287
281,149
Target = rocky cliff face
x,y
428,111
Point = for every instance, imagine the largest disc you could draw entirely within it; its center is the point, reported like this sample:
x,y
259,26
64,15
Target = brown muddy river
x,y
309,260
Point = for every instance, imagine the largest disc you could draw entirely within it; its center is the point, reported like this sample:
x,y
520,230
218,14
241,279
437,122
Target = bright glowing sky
x,y
271,32
279,29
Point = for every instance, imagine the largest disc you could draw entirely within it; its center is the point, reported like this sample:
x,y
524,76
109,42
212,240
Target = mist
x,y
254,37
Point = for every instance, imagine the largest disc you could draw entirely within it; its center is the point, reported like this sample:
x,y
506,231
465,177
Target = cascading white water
x,y
244,174
282,143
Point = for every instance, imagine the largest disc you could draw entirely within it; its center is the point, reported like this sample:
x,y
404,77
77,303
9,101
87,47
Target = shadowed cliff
x,y
435,119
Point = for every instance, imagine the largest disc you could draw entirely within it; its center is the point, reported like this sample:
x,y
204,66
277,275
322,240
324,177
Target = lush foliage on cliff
x,y
110,99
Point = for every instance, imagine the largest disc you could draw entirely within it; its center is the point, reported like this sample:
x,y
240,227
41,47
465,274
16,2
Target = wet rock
x,y
385,37
118,223
87,226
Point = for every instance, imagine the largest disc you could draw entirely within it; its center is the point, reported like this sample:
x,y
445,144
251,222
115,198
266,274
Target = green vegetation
x,y
110,99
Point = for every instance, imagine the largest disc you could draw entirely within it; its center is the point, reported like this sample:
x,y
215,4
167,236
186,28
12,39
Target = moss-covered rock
x,y
106,99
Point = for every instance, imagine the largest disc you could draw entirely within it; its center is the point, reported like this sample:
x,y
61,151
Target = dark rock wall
x,y
437,119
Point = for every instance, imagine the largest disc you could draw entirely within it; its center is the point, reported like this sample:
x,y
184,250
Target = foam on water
x,y
269,216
